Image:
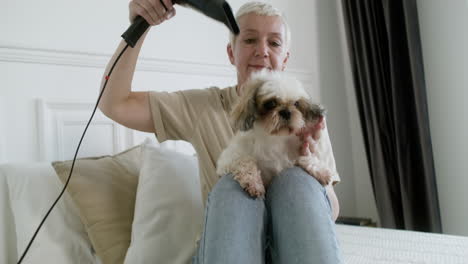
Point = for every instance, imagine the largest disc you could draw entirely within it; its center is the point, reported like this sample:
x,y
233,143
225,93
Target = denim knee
x,y
301,225
228,192
295,184
228,187
234,226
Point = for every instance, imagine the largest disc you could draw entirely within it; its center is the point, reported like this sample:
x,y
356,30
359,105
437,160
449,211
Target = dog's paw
x,y
255,189
249,178
252,183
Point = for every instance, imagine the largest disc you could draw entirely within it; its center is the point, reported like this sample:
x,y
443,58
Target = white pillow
x,y
33,187
168,209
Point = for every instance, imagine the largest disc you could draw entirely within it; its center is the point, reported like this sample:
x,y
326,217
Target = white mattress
x,y
368,245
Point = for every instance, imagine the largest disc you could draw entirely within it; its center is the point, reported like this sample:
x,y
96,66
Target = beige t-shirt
x,y
201,117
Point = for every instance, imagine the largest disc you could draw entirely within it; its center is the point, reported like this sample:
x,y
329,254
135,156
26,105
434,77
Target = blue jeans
x,y
293,224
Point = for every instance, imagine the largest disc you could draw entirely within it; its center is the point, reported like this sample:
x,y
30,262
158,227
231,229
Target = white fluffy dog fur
x,y
269,113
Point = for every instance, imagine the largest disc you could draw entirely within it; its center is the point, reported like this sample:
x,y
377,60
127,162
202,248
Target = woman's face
x,y
260,44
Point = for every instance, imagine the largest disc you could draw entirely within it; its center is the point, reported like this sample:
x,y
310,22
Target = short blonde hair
x,y
263,9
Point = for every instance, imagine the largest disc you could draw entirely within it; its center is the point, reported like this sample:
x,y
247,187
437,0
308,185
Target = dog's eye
x,y
270,105
296,104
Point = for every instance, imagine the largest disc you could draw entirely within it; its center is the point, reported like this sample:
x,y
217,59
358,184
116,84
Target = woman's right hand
x,y
153,11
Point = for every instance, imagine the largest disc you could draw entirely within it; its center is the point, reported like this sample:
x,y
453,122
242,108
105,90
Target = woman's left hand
x,y
309,136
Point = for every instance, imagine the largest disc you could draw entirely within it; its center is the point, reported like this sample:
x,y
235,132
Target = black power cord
x,y
74,158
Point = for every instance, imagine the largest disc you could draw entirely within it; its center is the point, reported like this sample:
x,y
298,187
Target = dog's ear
x,y
312,111
243,114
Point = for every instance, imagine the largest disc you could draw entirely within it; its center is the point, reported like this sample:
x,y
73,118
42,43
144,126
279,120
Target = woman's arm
x,y
119,102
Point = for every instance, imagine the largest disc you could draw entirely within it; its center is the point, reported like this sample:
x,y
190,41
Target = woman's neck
x,y
239,89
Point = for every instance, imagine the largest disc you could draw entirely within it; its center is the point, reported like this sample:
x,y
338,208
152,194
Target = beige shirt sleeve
x,y
175,114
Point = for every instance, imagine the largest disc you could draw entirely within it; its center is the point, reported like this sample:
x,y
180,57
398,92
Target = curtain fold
x,y
386,59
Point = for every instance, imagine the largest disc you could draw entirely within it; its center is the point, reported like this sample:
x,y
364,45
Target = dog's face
x,y
276,103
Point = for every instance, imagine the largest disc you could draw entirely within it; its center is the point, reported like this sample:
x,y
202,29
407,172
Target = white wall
x,y
57,50
444,33
2,131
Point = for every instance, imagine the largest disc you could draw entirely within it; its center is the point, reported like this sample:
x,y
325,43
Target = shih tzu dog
x,y
271,111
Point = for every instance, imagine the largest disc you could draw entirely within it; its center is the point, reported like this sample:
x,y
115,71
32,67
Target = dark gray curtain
x,y
386,59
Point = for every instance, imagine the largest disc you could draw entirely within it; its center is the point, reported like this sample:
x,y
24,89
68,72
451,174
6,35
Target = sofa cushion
x,y
30,190
168,210
104,190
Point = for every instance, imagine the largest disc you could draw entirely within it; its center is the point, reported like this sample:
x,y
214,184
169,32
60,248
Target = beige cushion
x,y
104,189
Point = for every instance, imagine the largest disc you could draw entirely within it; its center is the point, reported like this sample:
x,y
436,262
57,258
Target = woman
x,y
295,222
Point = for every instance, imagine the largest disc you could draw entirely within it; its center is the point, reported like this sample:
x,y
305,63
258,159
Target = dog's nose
x,y
285,114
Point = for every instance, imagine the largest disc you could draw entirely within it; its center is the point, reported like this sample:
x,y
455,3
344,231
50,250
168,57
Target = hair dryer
x,y
216,9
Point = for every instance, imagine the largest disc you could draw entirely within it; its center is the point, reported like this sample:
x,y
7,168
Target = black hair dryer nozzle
x,y
216,9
